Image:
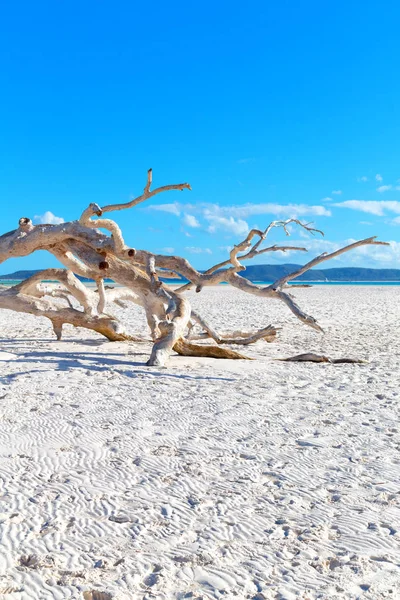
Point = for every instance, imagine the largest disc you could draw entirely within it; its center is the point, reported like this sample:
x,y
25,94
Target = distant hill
x,y
21,275
273,272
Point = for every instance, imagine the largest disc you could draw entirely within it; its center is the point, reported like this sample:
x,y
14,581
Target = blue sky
x,y
269,110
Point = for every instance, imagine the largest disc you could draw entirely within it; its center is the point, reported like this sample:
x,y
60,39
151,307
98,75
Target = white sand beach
x,y
209,478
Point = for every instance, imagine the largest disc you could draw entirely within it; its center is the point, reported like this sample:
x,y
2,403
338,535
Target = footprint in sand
x,y
95,595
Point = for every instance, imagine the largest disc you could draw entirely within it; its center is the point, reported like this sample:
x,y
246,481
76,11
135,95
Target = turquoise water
x,y
10,282
334,282
17,281
294,283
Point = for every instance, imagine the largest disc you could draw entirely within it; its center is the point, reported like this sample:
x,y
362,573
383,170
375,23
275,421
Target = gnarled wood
x,y
185,348
321,358
87,252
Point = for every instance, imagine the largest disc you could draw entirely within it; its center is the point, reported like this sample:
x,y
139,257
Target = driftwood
x,y
85,251
320,358
186,348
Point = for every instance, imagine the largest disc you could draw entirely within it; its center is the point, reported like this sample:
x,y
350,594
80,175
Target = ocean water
x,y
334,282
10,282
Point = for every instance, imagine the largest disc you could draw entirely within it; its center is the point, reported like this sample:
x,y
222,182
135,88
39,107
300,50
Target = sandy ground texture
x,y
207,479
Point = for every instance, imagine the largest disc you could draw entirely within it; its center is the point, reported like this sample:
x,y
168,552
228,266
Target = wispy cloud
x,y
327,199
243,211
376,256
48,218
373,207
280,210
168,250
197,250
362,179
233,219
190,220
384,188
337,192
217,222
378,177
173,209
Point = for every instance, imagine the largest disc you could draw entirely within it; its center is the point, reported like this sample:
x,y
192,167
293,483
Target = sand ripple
x,y
208,479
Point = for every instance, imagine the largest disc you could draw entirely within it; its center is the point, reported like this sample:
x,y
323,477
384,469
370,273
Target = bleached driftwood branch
x,y
87,252
29,297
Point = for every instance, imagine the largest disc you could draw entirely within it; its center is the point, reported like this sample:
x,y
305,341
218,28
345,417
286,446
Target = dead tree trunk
x,y
87,252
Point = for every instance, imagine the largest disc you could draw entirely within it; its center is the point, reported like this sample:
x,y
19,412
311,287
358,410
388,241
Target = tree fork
x,y
87,252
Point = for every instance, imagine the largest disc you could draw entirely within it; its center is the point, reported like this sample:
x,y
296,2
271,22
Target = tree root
x,y
185,348
320,358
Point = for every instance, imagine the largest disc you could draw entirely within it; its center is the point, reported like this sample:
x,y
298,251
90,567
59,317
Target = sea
x,y
333,283
11,282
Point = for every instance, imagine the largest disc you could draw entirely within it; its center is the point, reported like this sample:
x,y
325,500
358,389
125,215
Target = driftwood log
x,y
87,252
321,358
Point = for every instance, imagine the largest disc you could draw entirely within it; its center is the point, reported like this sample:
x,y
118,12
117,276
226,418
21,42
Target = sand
x,y
207,479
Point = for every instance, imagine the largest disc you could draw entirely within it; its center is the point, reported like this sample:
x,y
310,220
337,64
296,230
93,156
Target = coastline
x,y
300,283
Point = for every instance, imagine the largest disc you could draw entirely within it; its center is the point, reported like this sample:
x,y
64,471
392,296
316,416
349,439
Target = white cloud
x,y
337,192
190,221
366,223
48,218
376,256
362,179
327,199
225,248
173,209
243,211
373,207
197,250
384,188
378,177
236,226
316,246
233,220
168,250
243,161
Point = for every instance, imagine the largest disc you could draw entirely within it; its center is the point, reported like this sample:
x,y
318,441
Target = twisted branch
x,y
88,252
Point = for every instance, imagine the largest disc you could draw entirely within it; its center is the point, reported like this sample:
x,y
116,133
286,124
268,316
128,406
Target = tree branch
x,y
88,252
146,194
323,257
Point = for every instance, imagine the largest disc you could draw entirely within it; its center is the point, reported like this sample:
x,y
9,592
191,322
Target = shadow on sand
x,y
98,362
